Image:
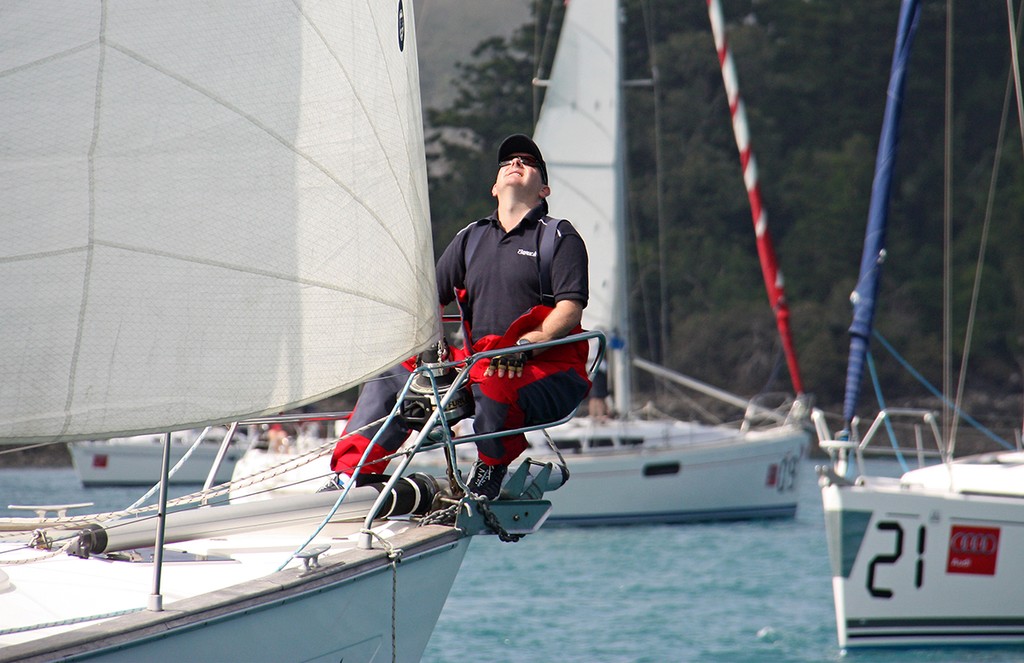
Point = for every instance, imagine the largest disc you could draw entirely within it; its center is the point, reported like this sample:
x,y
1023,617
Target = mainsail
x,y
212,210
582,107
866,292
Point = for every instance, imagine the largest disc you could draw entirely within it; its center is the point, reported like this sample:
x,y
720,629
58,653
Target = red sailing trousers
x,y
552,385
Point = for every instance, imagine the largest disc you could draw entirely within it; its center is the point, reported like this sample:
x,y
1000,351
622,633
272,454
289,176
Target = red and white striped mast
x,y
769,264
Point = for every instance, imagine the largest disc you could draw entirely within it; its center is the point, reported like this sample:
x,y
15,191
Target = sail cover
x,y
210,209
579,130
865,294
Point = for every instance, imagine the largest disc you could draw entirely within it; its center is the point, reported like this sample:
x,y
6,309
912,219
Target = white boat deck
x,y
215,576
1000,473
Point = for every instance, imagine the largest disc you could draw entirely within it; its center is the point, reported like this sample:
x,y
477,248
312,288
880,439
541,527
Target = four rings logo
x,y
973,550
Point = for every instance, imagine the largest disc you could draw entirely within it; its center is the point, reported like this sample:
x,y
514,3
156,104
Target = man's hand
x,y
510,365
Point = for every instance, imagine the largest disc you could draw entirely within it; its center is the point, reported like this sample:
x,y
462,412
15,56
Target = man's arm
x,y
566,315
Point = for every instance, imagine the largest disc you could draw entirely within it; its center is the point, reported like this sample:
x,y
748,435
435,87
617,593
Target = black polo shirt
x,y
503,280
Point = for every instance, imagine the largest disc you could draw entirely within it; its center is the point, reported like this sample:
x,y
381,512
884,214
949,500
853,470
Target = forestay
x,y
212,210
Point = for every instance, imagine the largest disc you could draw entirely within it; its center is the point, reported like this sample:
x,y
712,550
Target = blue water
x,y
755,591
735,592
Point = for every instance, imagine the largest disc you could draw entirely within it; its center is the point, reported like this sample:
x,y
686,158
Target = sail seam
x,y
233,267
53,57
89,249
44,254
265,129
391,86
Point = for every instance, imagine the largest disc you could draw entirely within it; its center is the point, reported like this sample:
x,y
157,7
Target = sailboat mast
x,y
622,366
773,280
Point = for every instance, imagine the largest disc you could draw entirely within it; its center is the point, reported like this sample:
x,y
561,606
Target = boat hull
x,y
680,472
138,462
664,471
334,613
917,566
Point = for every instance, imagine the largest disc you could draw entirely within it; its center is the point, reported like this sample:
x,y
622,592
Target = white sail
x,y
580,132
211,209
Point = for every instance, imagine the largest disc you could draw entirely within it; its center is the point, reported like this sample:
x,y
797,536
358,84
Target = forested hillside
x,y
813,76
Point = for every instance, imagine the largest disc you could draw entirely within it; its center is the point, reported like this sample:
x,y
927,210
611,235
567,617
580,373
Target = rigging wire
x,y
661,348
935,391
890,431
1012,84
1015,64
947,223
1014,38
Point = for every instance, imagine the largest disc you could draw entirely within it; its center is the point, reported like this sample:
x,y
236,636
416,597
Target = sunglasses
x,y
526,160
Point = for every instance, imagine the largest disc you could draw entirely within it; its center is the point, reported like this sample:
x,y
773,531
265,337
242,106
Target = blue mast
x,y
866,292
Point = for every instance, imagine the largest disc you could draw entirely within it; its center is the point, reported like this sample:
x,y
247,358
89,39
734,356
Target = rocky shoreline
x,y
49,455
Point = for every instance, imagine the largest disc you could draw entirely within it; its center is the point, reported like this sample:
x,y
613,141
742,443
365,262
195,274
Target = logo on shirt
x,y
524,252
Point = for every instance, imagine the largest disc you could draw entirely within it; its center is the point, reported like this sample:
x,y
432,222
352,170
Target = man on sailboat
x,y
519,276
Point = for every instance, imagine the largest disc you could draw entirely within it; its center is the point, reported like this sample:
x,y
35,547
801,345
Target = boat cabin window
x,y
602,442
659,469
568,445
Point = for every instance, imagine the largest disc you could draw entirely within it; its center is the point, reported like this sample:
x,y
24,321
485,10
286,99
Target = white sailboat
x,y
217,210
630,468
135,460
933,556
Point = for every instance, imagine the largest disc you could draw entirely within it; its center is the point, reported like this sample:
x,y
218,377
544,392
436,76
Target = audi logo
x,y
976,543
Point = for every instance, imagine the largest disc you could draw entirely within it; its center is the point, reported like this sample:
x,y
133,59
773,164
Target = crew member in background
x,y
597,402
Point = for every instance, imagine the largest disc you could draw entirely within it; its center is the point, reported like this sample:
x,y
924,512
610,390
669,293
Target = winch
x,y
420,401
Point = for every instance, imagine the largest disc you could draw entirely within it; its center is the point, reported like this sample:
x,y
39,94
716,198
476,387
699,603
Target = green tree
x,y
493,99
813,76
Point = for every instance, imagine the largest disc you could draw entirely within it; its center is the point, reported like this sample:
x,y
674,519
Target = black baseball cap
x,y
522,144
